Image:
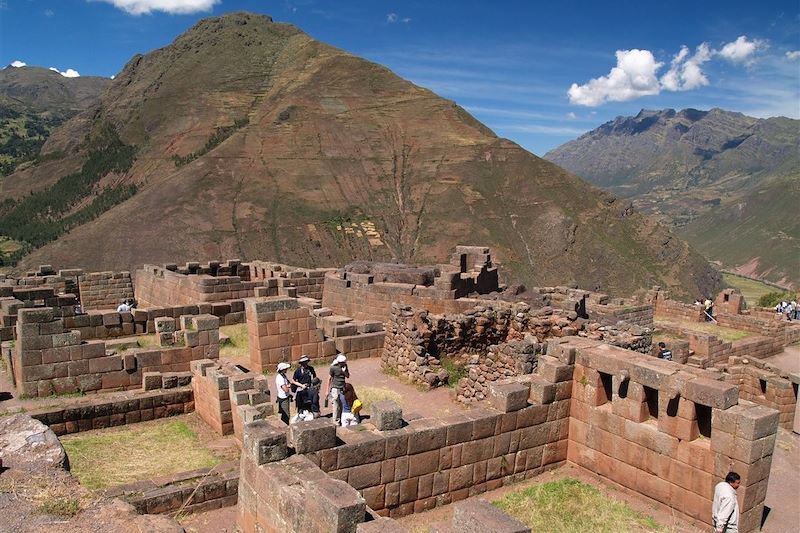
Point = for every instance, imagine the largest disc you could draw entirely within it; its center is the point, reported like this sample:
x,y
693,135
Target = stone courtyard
x,y
470,388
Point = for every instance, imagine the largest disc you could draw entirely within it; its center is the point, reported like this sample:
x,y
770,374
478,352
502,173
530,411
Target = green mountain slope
x,y
724,181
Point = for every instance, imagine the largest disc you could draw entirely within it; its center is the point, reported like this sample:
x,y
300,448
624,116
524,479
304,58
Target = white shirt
x,y
123,308
281,379
725,508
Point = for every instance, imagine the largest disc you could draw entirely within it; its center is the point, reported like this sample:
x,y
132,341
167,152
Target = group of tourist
x,y
305,385
788,309
708,308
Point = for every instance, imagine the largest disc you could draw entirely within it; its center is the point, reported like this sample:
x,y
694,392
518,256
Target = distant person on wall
x,y
308,398
725,508
284,387
663,353
124,307
708,305
338,373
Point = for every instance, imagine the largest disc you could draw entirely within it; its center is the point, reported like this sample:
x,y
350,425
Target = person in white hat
x,y
284,386
336,379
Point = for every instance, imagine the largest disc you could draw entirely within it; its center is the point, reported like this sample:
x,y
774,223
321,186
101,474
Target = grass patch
x,y
60,507
370,395
721,332
752,290
238,344
122,455
456,369
568,505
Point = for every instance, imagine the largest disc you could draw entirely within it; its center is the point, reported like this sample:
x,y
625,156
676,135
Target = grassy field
x,y
568,505
109,457
751,289
721,332
370,395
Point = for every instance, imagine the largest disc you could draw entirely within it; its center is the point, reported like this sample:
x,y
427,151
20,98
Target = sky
x,y
538,73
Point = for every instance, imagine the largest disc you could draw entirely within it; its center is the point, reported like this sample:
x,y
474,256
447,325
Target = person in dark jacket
x,y
308,398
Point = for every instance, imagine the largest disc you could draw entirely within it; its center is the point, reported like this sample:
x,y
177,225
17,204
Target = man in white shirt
x,y
124,307
725,508
283,385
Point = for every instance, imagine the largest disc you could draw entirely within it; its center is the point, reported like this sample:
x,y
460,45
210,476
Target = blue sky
x,y
539,73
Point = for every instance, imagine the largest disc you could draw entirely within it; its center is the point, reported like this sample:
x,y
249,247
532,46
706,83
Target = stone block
x,y
264,443
35,315
386,415
553,370
479,516
508,396
312,435
165,324
711,393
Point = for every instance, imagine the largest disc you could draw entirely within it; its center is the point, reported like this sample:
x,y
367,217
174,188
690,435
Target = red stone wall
x,y
104,290
49,359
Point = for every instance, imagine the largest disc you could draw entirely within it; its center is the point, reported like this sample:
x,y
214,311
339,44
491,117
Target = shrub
x,y
772,299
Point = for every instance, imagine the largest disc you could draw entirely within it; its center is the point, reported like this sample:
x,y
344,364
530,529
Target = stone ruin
x,y
550,375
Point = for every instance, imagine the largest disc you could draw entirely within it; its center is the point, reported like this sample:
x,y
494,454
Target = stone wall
x,y
365,290
227,397
765,385
194,491
308,282
666,431
50,359
104,290
98,412
417,341
280,329
159,286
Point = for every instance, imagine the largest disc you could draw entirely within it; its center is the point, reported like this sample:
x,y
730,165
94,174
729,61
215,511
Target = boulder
x,y
27,443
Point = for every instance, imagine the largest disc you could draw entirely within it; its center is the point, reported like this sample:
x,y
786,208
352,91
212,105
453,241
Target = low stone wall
x,y
98,413
417,341
227,398
104,290
160,286
50,359
194,491
765,385
280,329
308,282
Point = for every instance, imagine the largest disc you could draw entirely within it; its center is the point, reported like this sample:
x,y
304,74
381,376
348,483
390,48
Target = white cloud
x,y
406,20
48,13
633,77
174,7
685,72
18,63
69,73
793,55
391,18
571,115
742,49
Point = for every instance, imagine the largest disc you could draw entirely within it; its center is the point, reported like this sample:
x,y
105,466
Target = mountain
x,y
33,102
247,138
728,183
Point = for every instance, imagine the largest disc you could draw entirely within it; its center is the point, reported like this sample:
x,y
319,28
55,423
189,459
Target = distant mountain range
x,y
728,183
247,138
34,101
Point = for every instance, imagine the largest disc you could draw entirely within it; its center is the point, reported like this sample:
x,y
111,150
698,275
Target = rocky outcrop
x,y
28,444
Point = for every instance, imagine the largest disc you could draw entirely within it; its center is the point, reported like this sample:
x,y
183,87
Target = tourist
x,y
124,307
351,406
307,399
708,304
284,387
338,373
725,508
663,353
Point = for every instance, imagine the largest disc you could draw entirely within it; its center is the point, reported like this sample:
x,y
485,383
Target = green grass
x,y
109,457
751,289
456,369
721,332
238,344
370,395
61,507
568,505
